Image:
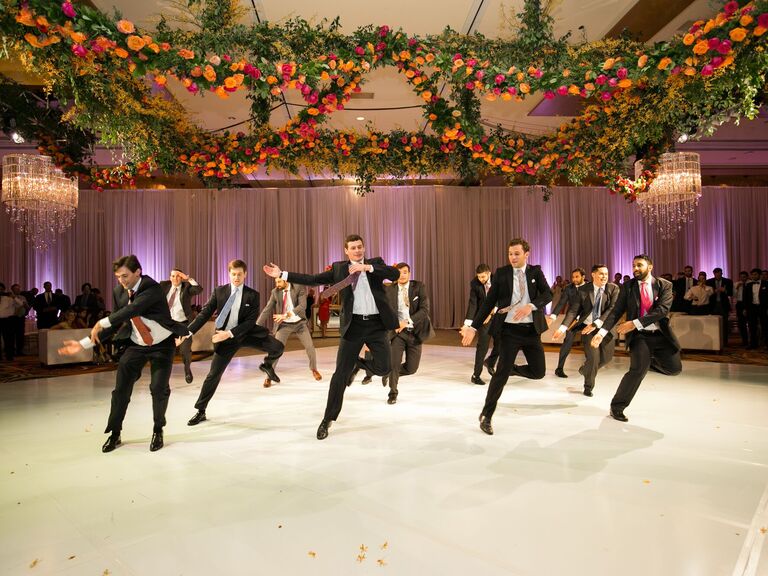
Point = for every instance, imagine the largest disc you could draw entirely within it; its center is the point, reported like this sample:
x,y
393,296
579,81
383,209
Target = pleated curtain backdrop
x,y
443,232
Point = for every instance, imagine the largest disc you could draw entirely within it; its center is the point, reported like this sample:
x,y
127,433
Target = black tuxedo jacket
x,y
246,317
418,308
476,297
87,302
148,302
185,295
46,318
583,302
500,295
762,293
726,283
339,271
275,304
629,302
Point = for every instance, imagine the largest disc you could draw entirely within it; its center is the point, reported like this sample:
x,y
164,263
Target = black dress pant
x,y
132,362
741,320
596,358
565,347
723,309
514,338
483,339
8,334
647,351
369,332
222,355
185,349
18,328
753,323
403,343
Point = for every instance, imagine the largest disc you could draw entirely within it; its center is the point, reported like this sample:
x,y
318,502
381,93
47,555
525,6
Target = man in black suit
x,y
652,344
364,320
570,295
409,298
179,291
478,289
591,304
681,287
741,306
755,298
287,306
237,307
721,298
47,307
520,292
142,321
87,300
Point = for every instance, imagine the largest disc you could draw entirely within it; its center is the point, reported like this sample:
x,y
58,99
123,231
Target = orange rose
x,y
609,63
524,88
746,20
625,83
154,47
690,71
135,43
221,93
759,31
121,53
209,73
126,27
25,17
738,34
161,80
701,47
708,26
664,63
313,111
642,61
186,54
688,39
230,82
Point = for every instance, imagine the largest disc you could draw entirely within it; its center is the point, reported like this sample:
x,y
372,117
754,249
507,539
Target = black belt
x,y
365,316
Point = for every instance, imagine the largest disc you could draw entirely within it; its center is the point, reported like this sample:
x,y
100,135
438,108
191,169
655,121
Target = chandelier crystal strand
x,y
40,199
672,197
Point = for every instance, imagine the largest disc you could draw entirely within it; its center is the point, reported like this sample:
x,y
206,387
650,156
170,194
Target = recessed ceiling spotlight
x,y
360,118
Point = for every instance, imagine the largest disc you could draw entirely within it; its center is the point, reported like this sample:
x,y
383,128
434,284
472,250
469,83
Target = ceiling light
x,y
360,118
17,138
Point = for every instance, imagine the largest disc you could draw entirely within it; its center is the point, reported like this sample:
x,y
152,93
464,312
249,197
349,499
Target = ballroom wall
x,y
442,231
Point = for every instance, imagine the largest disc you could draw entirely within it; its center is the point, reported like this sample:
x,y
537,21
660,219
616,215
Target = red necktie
x,y
285,300
173,298
143,329
645,299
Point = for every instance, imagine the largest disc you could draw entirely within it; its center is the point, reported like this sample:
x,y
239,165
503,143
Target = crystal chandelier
x,y
674,194
40,199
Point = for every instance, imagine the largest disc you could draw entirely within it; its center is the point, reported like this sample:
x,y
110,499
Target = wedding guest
x,y
699,296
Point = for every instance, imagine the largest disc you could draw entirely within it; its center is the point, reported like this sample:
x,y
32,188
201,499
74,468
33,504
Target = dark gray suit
x,y
186,292
582,306
284,330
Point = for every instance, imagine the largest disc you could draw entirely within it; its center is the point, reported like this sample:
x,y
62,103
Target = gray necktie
x,y
598,301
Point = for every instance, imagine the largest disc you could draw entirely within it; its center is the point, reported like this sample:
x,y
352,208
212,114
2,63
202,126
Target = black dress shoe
x,y
489,367
269,371
392,399
485,425
322,430
477,380
112,442
588,392
619,416
197,418
560,373
188,377
367,380
157,442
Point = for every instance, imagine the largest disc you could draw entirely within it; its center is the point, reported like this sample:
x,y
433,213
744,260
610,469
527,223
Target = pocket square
x,y
247,304
415,298
533,281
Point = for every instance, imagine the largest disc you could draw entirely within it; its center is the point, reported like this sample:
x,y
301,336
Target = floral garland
x,y
720,61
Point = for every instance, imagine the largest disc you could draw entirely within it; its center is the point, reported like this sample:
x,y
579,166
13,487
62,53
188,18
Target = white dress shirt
x,y
517,300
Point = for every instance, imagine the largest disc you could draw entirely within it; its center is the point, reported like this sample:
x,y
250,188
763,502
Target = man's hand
x,y
467,335
220,336
181,339
558,335
70,348
277,318
403,326
272,270
523,311
596,339
358,268
589,328
95,333
626,327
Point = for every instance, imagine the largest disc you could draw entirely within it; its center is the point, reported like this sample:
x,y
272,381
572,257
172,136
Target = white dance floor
x,y
410,489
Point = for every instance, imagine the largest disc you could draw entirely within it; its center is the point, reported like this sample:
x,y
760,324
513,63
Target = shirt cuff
x,y
467,322
284,275
553,316
105,323
602,332
192,281
637,324
562,329
598,323
533,307
230,334
86,343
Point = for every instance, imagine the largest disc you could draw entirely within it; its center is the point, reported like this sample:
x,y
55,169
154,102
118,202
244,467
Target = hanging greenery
x,y
637,97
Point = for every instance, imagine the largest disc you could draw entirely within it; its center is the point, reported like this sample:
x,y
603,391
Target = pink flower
x,y
456,57
707,70
724,47
472,62
359,50
562,90
621,73
716,61
287,70
730,8
549,95
512,90
675,71
606,96
762,20
714,43
469,85
479,74
68,9
79,50
412,42
613,82
602,79
383,31
380,46
226,58
538,73
499,78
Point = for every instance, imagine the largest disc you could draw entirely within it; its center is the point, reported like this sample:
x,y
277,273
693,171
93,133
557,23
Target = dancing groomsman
x,y
570,295
142,321
288,306
592,303
179,291
409,298
237,307
365,317
652,344
478,290
520,292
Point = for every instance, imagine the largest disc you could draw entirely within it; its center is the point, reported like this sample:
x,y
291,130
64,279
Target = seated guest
x,y
70,321
699,296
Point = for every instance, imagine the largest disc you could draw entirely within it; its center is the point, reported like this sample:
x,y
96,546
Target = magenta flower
x,y
383,31
717,61
707,70
724,47
470,85
762,20
512,90
79,50
68,9
606,96
613,82
714,43
602,79
621,73
499,78
359,50
562,90
549,95
730,8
